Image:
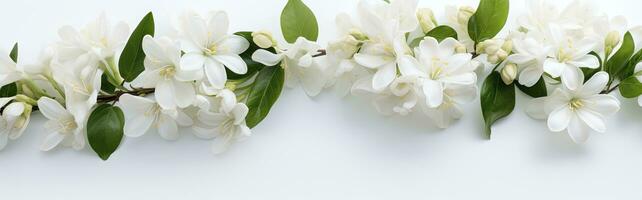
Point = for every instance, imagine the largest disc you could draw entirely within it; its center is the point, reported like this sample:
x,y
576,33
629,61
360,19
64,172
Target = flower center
x,y
576,104
67,126
437,67
153,111
211,50
168,72
564,54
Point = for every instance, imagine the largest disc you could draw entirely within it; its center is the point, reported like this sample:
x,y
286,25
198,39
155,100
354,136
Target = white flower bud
x,y
612,39
501,54
263,39
464,14
347,46
493,59
509,73
508,46
426,19
460,48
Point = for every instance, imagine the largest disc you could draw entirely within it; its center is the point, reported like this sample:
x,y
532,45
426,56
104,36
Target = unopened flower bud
x,y
426,19
508,46
509,73
460,48
263,39
612,39
501,55
26,99
493,59
358,35
464,14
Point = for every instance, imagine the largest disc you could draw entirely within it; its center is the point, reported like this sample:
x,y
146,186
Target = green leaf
x,y
105,129
14,53
631,87
630,65
297,20
488,20
252,66
11,89
617,63
440,33
132,59
497,100
105,85
535,91
263,94
588,72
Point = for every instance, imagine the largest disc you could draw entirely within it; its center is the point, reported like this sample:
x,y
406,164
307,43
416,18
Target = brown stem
x,y
114,97
610,90
321,52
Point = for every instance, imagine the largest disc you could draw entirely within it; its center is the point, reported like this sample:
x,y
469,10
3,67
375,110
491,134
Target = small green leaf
x,y
488,20
631,87
440,33
535,91
105,129
132,59
9,90
630,65
264,93
14,53
105,86
297,20
497,100
616,65
252,66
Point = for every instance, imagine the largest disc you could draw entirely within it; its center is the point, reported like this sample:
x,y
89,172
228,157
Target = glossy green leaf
x,y
14,53
297,20
132,59
105,85
535,91
631,87
616,64
263,94
105,129
630,65
497,100
440,33
252,66
588,72
488,20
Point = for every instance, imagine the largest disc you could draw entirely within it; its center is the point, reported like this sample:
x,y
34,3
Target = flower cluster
x,y
386,52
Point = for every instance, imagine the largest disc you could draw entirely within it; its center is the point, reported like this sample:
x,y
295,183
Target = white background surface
x,y
320,148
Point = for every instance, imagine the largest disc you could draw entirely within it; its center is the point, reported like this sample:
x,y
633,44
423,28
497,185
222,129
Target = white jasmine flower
x,y
63,126
578,111
568,57
14,120
142,113
382,57
298,63
174,87
81,82
227,121
437,65
401,97
97,41
529,57
209,47
457,18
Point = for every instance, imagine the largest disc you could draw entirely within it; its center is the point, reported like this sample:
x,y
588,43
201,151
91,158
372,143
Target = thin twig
x,y
322,52
610,90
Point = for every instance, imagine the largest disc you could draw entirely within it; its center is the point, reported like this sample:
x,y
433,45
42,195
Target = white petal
x,y
384,76
519,58
572,77
233,62
313,80
167,128
192,61
184,93
588,61
434,93
578,130
370,61
217,24
52,140
215,73
595,84
267,58
604,104
530,76
234,44
408,66
152,49
51,109
592,119
559,119
553,67
239,112
222,142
